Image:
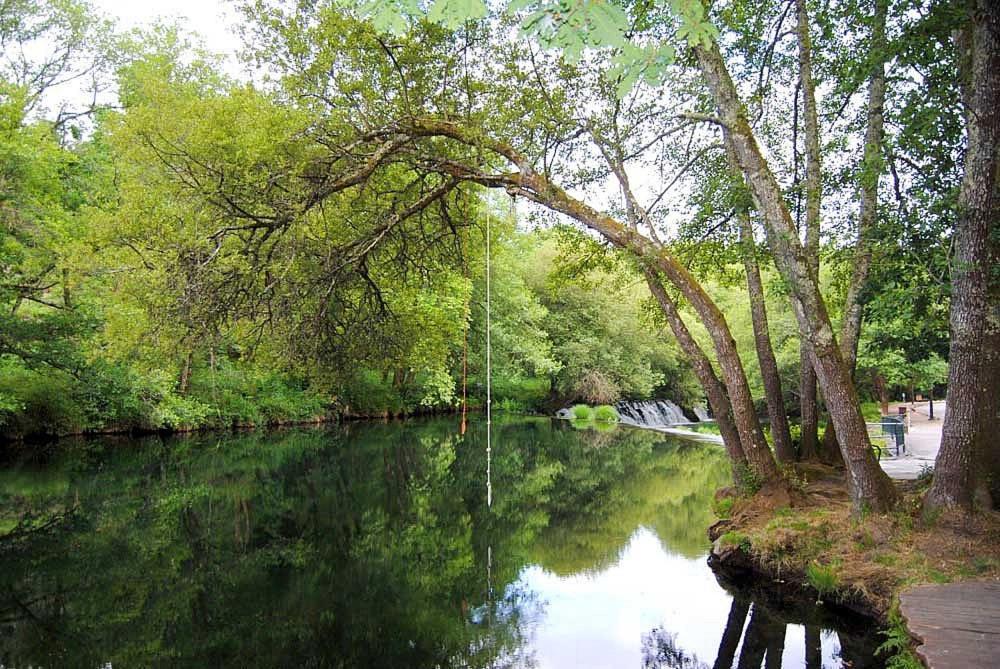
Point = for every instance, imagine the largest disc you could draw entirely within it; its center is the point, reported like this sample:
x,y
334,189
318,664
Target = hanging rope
x,y
489,372
465,340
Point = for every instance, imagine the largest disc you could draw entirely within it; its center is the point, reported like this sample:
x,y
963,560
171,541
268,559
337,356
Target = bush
x,y
367,393
582,412
39,403
509,405
606,414
174,412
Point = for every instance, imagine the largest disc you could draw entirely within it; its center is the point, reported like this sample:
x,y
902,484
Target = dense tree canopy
x,y
759,193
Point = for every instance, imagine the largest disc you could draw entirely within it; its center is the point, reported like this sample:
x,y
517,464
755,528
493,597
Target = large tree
x,y
968,455
578,26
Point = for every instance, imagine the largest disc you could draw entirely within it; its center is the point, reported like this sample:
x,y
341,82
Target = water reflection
x,y
371,546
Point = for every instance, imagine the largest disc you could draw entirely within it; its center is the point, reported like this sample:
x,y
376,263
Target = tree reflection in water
x,y
771,615
357,546
660,651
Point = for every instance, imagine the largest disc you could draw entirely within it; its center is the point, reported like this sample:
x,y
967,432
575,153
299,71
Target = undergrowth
x,y
897,649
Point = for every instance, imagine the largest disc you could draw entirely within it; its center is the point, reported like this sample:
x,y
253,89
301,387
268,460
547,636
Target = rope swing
x,y
489,370
489,352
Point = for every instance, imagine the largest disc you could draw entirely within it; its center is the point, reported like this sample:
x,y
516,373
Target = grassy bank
x,y
805,536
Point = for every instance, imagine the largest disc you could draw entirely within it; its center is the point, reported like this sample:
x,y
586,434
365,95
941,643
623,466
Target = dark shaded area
x,y
773,607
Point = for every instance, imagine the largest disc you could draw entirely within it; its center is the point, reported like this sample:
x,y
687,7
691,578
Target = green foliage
x,y
822,578
174,412
39,403
582,412
722,506
737,540
897,649
606,413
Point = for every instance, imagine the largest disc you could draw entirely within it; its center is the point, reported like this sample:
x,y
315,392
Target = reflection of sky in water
x,y
599,619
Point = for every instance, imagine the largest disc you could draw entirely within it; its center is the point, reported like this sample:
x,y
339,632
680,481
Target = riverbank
x,y
804,538
229,425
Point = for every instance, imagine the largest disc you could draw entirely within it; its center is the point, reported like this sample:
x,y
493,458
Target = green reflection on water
x,y
363,545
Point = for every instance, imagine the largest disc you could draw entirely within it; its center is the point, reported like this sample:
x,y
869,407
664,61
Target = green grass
x,y
582,412
736,539
723,507
822,578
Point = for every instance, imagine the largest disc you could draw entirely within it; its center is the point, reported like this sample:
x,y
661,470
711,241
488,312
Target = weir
x,y
652,413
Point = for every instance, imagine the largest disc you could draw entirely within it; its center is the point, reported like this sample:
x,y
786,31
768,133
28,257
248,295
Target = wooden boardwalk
x,y
958,623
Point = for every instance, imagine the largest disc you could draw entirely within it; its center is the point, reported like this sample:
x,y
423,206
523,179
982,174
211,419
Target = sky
x,y
212,19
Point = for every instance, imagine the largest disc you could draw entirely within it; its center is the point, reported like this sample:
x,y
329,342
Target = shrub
x,y
582,412
174,412
39,403
510,405
605,414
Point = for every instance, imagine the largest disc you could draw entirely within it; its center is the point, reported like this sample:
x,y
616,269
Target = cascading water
x,y
660,415
651,413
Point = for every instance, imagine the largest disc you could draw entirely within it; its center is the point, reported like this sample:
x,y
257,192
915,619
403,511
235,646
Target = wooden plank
x,y
958,623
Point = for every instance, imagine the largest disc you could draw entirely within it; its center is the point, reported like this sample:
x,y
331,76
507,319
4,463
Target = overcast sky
x,y
213,19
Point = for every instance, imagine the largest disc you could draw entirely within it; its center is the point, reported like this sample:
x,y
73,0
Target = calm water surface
x,y
370,545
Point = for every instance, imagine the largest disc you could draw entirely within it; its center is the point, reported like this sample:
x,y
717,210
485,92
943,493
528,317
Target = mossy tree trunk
x,y
872,166
869,486
702,366
968,453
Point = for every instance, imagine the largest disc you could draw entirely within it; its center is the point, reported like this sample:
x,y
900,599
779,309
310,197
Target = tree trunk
x,y
774,396
974,356
783,448
871,171
869,486
714,390
808,413
883,393
66,291
808,396
529,183
185,378
755,446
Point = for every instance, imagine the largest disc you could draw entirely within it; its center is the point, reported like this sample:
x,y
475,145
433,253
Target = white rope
x,y
489,374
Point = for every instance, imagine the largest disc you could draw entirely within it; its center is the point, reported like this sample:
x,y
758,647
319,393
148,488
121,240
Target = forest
x,y
773,209
287,334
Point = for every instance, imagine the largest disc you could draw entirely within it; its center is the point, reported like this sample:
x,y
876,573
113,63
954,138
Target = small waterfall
x,y
701,413
651,413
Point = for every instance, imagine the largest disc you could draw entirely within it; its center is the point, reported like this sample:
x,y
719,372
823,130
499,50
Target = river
x,y
370,545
